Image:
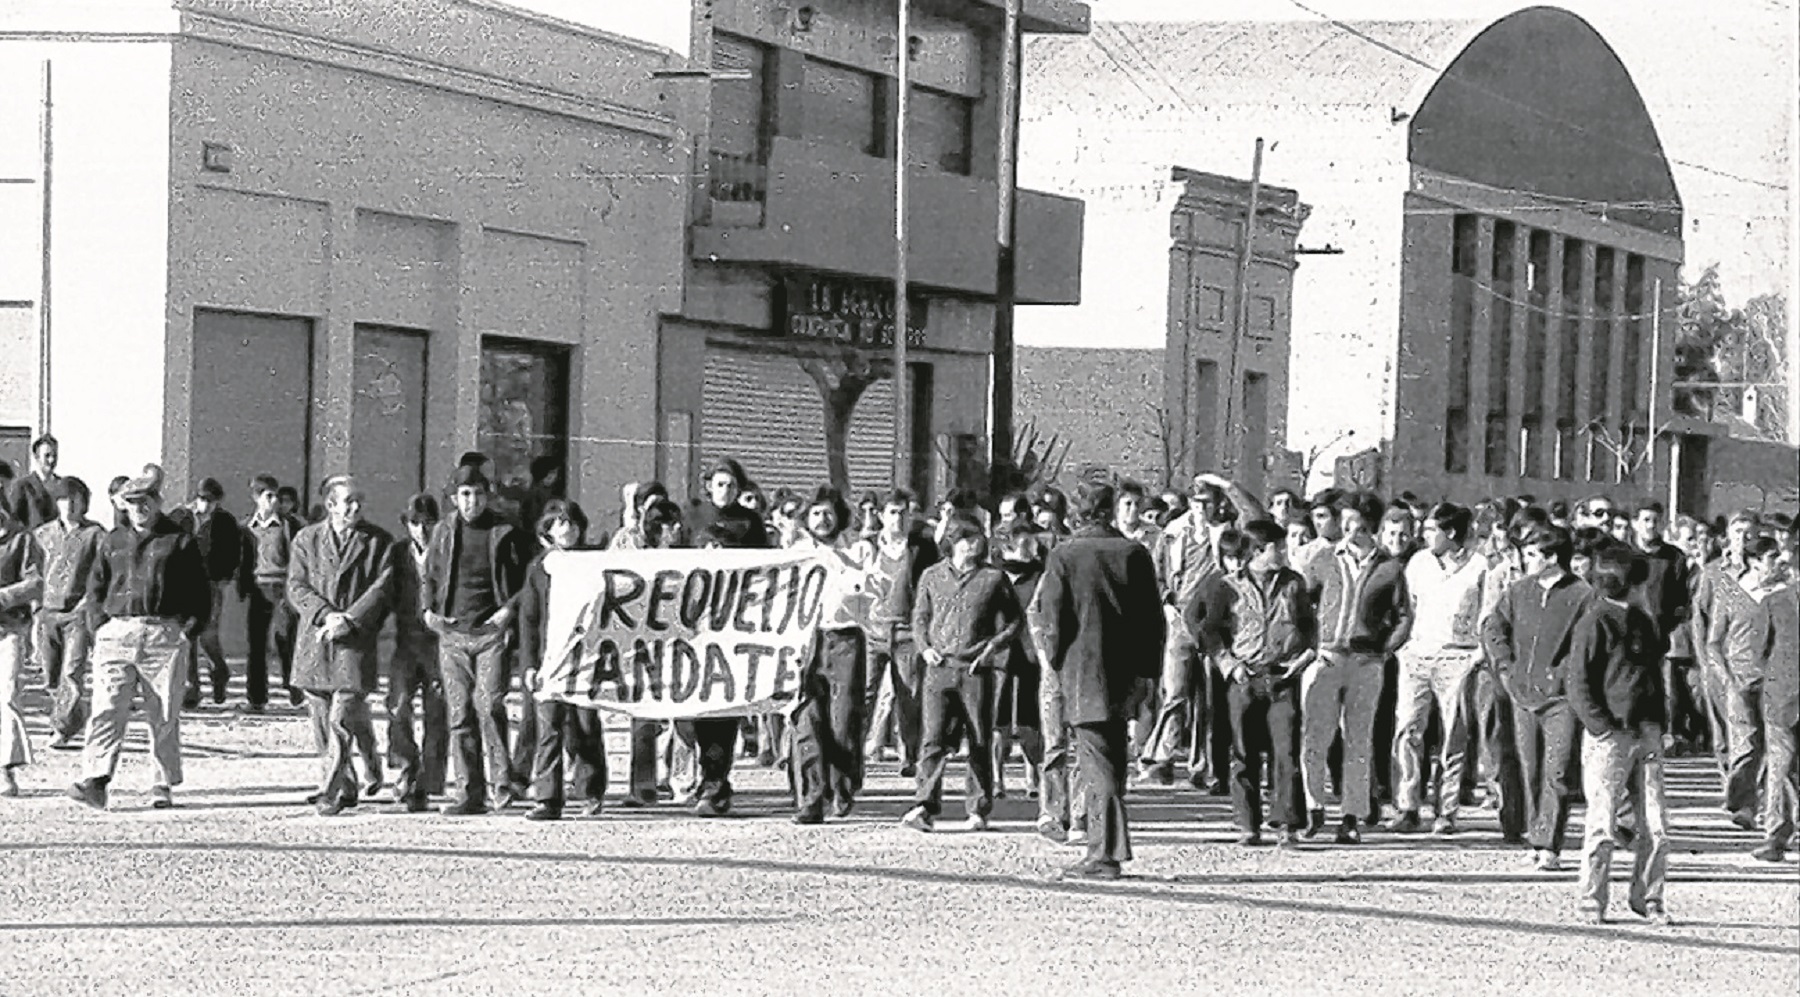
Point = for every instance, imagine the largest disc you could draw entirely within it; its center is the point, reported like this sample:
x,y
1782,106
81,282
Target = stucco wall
x,y
360,198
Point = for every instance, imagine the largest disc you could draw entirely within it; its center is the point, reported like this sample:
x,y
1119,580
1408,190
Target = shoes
x,y
766,758
1624,837
1745,820
909,771
713,806
1769,851
593,808
256,709
90,793
295,696
918,820
975,823
1052,829
1407,823
191,701
1218,788
312,799
372,788
9,783
544,811
464,808
999,792
843,806
1547,861
1315,824
1250,839
161,798
1347,834
1653,913
809,817
1290,838
633,801
64,742
1444,827
335,807
1032,793
506,798
1592,914
1092,872
1161,773
409,805
1513,838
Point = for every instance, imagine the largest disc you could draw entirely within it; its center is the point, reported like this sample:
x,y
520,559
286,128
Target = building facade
x,y
1526,360
780,354
1225,373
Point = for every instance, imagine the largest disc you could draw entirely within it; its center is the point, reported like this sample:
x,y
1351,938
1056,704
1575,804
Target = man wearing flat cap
x,y
221,547
474,573
147,600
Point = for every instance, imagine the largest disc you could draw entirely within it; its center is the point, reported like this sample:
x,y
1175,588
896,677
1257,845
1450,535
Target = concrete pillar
x,y
334,350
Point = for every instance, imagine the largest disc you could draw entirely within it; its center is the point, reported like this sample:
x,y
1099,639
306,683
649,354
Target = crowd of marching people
x,y
1400,662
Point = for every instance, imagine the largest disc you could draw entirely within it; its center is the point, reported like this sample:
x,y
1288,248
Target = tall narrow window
x,y
1465,240
1532,448
524,411
1568,346
740,98
937,135
1500,317
1601,463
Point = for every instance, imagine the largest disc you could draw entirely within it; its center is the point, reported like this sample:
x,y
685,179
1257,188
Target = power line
x,y
1547,116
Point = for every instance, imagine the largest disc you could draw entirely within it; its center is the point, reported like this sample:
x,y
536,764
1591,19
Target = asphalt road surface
x,y
242,889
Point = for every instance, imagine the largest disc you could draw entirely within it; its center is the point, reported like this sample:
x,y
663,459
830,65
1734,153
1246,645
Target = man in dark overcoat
x,y
340,583
1099,617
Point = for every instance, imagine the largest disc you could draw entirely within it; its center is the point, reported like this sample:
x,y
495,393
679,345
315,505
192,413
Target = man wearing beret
x,y
148,598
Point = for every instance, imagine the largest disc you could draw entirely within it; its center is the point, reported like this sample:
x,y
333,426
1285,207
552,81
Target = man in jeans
x,y
1616,687
474,572
418,760
262,581
1527,638
1364,612
69,542
148,597
895,558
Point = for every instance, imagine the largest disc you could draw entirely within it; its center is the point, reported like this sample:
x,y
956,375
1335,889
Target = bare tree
x,y
842,375
1314,453
1172,443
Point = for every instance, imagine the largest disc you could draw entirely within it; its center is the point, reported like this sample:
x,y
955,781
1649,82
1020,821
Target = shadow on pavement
x,y
1140,889
397,922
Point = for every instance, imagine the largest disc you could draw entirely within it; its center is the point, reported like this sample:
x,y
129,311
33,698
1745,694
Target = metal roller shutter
x,y
765,411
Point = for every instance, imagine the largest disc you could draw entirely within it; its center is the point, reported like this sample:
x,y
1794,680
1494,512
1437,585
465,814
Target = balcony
x,y
825,208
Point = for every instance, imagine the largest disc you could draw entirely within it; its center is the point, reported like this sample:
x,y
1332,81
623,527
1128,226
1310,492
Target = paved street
x,y
242,889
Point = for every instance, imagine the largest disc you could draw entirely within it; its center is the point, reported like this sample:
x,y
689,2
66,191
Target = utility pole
x,y
902,320
1234,436
1005,258
44,274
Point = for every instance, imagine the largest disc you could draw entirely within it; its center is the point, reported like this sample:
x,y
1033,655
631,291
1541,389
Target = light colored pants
x,y
137,655
1439,676
1781,788
1060,798
15,746
1339,691
1181,715
1614,765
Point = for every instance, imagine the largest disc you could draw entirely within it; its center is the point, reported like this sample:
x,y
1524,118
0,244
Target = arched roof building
x,y
1503,207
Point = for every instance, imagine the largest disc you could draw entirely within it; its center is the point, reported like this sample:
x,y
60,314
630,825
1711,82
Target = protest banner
x,y
671,634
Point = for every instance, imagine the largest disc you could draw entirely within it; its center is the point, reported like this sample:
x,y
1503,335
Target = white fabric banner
x,y
672,634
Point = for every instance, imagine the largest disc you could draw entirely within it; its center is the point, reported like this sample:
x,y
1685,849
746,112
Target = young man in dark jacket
x,y
562,727
474,571
1265,633
1099,616
268,539
1365,614
1527,638
418,760
965,620
1615,684
221,548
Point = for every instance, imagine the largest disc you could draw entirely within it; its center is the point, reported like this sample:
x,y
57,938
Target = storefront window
x,y
524,413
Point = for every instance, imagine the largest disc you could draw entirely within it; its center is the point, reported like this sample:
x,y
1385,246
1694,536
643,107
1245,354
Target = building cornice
x,y
1550,214
250,36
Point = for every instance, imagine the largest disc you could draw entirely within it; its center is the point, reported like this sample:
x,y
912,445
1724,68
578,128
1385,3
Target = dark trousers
x,y
562,727
1548,740
269,615
473,668
828,727
208,644
418,762
1381,765
1685,700
956,702
899,661
525,738
1102,753
715,741
1263,721
63,645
